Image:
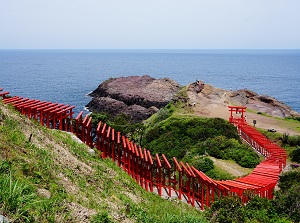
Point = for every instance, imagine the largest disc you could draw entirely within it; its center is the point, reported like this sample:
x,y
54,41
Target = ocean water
x,y
67,76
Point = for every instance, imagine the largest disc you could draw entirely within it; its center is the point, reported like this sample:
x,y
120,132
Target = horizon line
x,y
150,49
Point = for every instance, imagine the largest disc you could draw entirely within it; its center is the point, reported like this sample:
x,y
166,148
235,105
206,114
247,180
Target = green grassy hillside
x,y
196,140
46,176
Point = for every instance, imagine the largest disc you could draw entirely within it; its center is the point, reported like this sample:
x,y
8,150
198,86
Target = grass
x,y
220,174
81,187
290,123
227,169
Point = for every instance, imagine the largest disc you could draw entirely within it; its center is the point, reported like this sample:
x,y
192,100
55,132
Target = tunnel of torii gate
x,y
157,173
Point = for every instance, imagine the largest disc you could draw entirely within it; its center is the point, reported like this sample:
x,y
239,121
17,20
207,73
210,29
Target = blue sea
x,y
67,76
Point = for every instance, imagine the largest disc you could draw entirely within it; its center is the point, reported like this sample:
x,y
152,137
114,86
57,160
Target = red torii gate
x,y
237,110
191,184
265,176
3,94
43,111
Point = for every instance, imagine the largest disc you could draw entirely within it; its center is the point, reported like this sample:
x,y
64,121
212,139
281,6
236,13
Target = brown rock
x,y
137,96
261,103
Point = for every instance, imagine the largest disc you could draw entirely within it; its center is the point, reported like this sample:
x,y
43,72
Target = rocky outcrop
x,y
136,96
261,103
213,102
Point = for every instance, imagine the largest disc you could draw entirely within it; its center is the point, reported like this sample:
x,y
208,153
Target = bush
x,y
120,123
226,210
203,164
177,135
294,140
223,148
295,155
288,179
219,174
231,209
287,200
260,210
290,140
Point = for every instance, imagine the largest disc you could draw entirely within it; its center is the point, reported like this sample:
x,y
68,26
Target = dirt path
x,y
231,167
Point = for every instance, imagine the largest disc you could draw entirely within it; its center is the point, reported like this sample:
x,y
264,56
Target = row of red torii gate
x,y
167,177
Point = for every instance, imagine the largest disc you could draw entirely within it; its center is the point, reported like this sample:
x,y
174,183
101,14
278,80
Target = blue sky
x,y
145,24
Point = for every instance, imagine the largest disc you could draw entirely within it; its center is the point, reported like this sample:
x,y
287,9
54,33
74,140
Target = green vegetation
x,y
231,210
121,123
191,139
219,174
287,200
290,143
52,178
175,132
176,135
297,118
295,155
228,149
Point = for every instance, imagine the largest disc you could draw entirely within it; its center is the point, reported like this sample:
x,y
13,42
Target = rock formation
x,y
136,96
261,103
141,96
211,99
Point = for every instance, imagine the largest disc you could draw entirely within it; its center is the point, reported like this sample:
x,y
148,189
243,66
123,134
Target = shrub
x,y
231,209
203,164
295,155
223,148
290,140
226,210
288,179
287,200
177,135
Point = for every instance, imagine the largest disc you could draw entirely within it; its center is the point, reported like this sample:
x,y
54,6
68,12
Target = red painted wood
x,y
195,185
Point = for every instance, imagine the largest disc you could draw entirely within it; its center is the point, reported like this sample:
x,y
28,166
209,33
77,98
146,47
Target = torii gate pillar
x,y
238,110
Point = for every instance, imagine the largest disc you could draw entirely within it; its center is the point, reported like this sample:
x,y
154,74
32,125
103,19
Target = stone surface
x,y
261,103
136,96
4,219
44,193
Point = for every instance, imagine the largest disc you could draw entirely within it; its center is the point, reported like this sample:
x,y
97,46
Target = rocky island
x,y
136,96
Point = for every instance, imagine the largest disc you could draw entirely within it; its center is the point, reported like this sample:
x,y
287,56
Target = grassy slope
x,y
53,178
